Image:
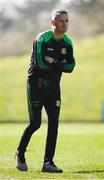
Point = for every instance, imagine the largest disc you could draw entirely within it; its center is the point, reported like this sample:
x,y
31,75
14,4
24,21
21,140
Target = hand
x,y
64,61
49,59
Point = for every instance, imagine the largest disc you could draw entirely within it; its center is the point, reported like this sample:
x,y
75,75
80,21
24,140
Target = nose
x,y
65,23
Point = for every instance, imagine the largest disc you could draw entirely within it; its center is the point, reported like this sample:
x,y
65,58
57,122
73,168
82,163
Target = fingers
x,y
49,59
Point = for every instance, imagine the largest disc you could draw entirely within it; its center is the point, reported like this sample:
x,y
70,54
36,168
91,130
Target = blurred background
x,y
83,90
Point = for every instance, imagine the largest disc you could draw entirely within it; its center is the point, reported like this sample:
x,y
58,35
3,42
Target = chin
x,y
63,31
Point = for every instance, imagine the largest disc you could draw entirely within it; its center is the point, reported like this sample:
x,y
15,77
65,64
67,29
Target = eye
x,y
61,20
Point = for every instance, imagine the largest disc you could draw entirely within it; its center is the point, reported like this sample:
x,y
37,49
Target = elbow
x,y
68,70
71,70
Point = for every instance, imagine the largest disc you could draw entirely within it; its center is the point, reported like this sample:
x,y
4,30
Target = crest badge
x,y
63,51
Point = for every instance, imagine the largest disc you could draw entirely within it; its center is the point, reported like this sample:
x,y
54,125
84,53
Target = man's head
x,y
59,21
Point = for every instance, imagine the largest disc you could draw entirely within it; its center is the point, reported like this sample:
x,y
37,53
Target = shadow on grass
x,y
88,172
61,121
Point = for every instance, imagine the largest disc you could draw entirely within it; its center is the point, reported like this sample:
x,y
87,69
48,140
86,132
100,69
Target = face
x,y
60,24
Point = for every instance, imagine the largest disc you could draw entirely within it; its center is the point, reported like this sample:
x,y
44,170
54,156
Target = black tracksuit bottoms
x,y
37,97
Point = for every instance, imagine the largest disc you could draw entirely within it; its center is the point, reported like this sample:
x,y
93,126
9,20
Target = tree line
x,y
18,30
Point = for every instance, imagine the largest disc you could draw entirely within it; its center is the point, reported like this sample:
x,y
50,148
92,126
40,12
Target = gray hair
x,y
57,14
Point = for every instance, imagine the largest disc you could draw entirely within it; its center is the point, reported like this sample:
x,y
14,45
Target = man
x,y
52,54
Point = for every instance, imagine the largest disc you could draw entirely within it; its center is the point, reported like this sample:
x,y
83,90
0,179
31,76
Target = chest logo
x,y
63,51
50,49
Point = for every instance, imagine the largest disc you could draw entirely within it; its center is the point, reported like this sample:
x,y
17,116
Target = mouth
x,y
64,27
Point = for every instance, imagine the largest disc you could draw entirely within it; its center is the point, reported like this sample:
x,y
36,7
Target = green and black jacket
x,y
45,44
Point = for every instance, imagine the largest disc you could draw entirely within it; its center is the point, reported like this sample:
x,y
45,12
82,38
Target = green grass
x,y
80,152
82,91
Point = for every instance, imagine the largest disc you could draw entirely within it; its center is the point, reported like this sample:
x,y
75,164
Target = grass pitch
x,y
82,91
80,152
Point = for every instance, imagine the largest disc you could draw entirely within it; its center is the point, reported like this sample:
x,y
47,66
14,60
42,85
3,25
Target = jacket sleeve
x,y
67,65
42,64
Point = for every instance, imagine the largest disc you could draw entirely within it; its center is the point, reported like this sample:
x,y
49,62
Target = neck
x,y
57,35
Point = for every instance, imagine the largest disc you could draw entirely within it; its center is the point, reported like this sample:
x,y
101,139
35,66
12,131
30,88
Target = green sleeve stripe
x,y
69,66
39,58
67,39
48,35
30,108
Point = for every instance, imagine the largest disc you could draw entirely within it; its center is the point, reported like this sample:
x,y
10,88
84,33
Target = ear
x,y
52,23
